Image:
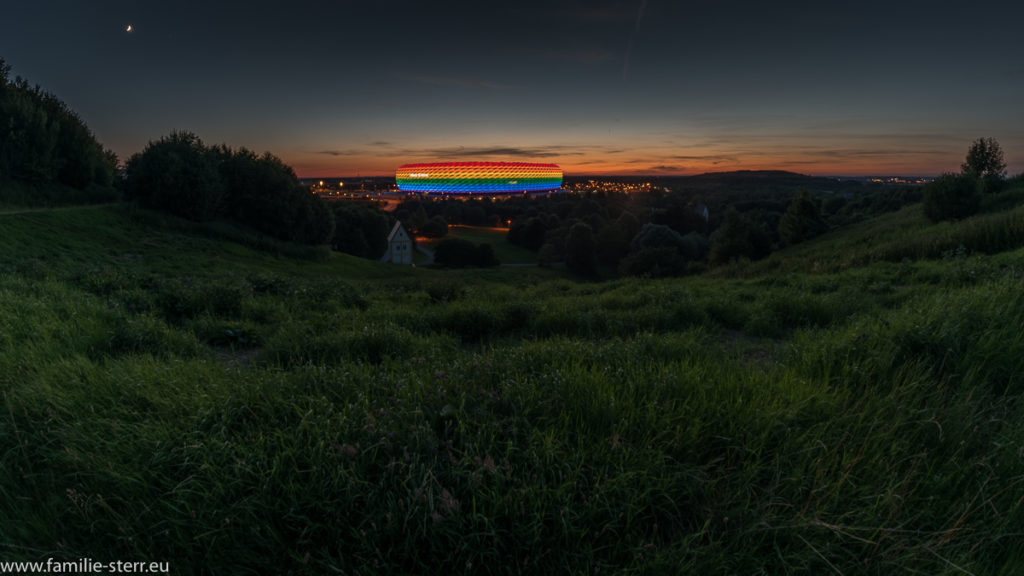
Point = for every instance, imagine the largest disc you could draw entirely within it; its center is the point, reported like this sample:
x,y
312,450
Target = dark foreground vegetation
x,y
853,406
47,153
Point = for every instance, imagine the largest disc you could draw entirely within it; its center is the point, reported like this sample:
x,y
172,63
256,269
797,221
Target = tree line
x,y
656,233
181,175
47,147
46,143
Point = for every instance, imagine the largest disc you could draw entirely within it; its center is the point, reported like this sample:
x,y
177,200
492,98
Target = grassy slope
x,y
170,396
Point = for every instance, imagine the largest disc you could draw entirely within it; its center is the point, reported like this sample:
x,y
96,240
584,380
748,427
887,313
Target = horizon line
x,y
663,175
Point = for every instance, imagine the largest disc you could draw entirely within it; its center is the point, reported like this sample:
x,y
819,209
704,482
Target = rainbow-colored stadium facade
x,y
471,178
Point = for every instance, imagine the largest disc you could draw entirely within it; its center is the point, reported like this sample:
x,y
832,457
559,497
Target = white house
x,y
399,246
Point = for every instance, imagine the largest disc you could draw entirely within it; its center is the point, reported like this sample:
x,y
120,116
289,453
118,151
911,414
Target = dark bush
x,y
459,253
436,227
802,220
580,250
653,262
360,230
528,233
176,174
952,197
485,257
657,236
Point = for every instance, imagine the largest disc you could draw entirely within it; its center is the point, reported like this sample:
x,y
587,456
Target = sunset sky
x,y
632,87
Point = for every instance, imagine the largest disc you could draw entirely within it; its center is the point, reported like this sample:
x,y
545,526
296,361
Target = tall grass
x,y
266,415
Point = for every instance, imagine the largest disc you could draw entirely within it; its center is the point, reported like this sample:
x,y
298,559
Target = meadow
x,y
180,393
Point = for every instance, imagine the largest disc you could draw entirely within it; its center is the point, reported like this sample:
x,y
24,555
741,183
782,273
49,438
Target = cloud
x,y
383,149
833,153
713,158
336,152
516,151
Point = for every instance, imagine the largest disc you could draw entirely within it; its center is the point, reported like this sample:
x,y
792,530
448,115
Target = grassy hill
x,y
848,406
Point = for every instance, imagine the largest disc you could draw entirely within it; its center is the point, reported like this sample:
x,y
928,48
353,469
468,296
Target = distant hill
x,y
746,174
766,181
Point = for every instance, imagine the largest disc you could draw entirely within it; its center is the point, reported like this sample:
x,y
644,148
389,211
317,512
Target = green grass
x,y
18,196
170,395
905,235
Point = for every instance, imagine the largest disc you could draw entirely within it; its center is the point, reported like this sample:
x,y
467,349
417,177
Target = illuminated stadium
x,y
472,178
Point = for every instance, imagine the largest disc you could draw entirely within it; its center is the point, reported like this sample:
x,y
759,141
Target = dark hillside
x,y
170,395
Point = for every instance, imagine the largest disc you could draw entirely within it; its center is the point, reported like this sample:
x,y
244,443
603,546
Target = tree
x,y
657,236
612,243
731,240
44,141
653,262
177,174
985,161
952,197
360,230
579,250
459,253
435,227
802,220
659,251
527,233
485,257
547,255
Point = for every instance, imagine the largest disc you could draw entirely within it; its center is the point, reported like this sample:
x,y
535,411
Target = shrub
x,y
360,230
459,253
952,197
732,239
580,250
436,227
528,233
654,262
176,174
485,257
802,220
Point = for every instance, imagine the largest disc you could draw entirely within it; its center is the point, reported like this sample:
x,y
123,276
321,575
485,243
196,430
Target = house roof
x,y
394,231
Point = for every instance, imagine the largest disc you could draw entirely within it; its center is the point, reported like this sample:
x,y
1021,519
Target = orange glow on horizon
x,y
664,165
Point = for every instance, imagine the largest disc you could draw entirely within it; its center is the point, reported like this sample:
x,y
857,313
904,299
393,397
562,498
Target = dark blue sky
x,y
655,86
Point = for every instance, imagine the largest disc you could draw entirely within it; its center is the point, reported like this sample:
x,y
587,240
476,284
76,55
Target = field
x,y
848,406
